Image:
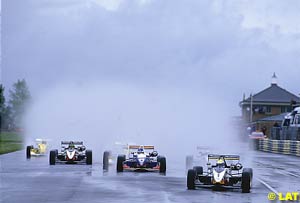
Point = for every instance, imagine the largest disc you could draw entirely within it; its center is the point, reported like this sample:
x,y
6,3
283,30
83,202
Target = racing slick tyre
x,y
246,180
52,157
191,179
28,152
105,160
189,162
198,169
162,164
120,160
89,157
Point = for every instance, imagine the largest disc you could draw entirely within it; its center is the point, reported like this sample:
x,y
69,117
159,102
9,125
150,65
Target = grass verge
x,y
10,142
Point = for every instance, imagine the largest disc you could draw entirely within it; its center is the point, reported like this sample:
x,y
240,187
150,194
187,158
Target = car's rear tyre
x,y
162,164
89,157
198,169
191,176
189,161
106,160
120,161
28,152
251,172
52,157
246,180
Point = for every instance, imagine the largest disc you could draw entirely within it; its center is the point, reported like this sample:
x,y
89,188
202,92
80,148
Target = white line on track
x,y
267,185
289,173
281,170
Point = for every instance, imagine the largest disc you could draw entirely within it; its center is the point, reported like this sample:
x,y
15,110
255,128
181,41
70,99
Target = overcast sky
x,y
221,48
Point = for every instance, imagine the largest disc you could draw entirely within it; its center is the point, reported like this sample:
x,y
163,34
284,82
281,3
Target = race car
x,y
41,148
71,152
221,174
141,158
256,135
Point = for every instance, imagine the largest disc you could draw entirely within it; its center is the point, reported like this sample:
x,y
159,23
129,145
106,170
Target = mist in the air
x,y
168,73
101,114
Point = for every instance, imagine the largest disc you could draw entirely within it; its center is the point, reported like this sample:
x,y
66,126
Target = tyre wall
x,y
288,147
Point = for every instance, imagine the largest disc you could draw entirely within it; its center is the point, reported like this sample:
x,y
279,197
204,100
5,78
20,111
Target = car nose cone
x,y
218,177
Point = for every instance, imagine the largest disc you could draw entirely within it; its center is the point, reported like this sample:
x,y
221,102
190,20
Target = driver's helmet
x,y
71,145
220,162
140,150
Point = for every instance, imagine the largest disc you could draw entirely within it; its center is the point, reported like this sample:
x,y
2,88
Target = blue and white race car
x,y
141,158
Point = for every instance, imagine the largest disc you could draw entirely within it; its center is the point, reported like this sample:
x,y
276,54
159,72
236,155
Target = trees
x,y
19,99
7,121
2,105
12,112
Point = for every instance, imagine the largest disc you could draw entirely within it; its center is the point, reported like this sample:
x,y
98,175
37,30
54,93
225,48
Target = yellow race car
x,y
41,148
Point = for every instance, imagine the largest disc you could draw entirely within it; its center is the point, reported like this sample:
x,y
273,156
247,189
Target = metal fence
x,y
285,133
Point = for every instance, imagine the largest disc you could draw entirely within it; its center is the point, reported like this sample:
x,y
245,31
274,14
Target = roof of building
x,y
275,94
279,117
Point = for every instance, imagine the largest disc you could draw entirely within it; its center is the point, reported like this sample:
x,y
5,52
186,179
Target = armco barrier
x,y
289,147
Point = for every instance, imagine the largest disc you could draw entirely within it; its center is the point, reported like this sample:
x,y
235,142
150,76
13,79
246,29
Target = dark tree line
x,y
13,109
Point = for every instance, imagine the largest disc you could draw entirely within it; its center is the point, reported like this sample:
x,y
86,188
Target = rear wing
x,y
226,157
202,148
69,142
42,140
139,146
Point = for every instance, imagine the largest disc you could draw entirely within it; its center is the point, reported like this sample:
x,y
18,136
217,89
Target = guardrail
x,y
288,147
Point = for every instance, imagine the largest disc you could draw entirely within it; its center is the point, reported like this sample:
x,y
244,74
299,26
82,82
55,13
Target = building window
x,y
257,109
262,109
285,109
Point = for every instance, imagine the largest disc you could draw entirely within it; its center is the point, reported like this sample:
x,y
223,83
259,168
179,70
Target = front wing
x,y
206,181
62,159
133,166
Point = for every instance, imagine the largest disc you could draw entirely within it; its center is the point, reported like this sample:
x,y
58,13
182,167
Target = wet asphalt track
x,y
35,181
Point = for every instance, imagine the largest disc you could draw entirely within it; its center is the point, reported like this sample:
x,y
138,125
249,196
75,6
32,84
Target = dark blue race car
x,y
141,158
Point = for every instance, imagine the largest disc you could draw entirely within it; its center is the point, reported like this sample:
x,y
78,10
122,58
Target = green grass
x,y
10,142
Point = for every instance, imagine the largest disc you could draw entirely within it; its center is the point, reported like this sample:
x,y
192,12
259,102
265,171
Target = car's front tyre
x,y
246,180
191,176
28,152
89,157
162,164
106,160
120,161
52,157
